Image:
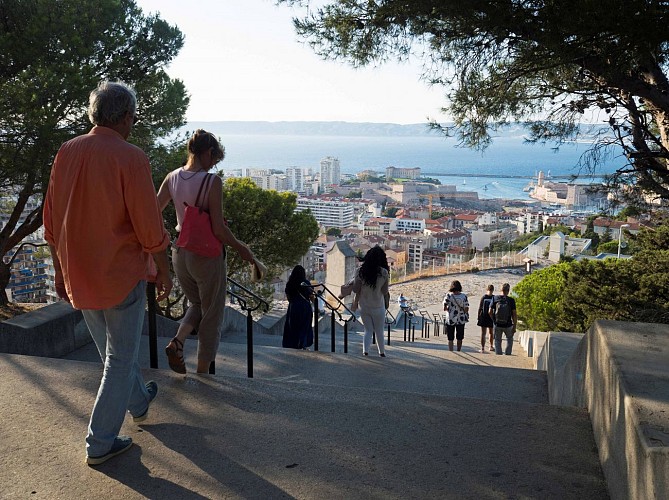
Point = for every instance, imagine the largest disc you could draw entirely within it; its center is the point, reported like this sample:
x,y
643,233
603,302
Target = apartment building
x,y
295,179
330,172
328,213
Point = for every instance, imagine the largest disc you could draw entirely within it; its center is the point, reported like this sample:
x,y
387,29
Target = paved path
x,y
422,423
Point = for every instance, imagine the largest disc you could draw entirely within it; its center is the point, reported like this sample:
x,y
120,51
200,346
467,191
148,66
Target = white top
x,y
457,304
373,298
183,186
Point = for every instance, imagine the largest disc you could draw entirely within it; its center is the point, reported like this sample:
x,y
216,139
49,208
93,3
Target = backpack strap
x,y
207,179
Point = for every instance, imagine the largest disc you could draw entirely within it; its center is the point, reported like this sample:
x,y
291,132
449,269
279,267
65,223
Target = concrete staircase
x,y
422,423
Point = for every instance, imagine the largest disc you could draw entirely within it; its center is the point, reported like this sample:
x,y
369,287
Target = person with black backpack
x,y
503,314
484,320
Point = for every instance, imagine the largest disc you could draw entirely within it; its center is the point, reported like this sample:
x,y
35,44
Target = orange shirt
x,y
101,214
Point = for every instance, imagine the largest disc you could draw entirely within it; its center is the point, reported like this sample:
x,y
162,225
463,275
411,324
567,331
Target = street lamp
x,y
620,236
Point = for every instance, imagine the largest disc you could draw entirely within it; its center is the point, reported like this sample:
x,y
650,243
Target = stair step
x,y
234,437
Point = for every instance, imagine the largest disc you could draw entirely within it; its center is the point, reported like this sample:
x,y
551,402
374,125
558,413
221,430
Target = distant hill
x,y
313,128
352,129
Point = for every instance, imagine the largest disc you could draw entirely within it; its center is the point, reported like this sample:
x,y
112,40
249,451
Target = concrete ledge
x,y
620,372
165,327
271,323
563,359
51,331
627,394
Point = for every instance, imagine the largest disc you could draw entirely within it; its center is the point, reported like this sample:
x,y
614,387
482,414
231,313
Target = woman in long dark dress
x,y
297,331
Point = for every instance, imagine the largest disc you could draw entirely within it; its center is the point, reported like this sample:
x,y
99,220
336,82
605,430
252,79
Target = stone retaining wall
x,y
620,372
51,331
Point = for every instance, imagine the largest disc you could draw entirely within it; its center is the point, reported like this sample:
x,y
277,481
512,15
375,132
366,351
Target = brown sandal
x,y
175,355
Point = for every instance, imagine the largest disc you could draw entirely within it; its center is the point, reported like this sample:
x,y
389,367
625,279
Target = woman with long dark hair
x,y
372,296
297,331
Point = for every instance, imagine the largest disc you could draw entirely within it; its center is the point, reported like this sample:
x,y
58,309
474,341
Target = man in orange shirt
x,y
103,225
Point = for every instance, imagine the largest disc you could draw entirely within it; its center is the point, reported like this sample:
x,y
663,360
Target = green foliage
x,y
369,178
629,211
503,62
539,296
570,296
52,54
266,220
390,211
334,231
595,290
355,194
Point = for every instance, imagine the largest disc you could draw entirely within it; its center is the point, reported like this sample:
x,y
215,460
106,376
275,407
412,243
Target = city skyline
x,y
242,60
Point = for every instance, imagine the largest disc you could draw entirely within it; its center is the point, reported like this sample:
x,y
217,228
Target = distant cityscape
x,y
419,222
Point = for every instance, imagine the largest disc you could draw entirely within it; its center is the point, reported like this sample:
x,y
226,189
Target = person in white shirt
x,y
372,296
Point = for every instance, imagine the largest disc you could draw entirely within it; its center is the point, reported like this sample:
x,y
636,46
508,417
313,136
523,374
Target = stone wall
x,y
620,373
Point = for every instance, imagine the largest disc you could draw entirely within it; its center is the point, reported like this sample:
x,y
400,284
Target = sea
x,y
503,170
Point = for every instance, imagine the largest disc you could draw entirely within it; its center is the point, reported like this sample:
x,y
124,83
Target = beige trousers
x,y
204,281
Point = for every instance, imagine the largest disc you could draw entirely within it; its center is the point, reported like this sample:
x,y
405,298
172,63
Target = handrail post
x,y
388,333
346,337
316,328
332,332
249,343
405,325
153,334
316,319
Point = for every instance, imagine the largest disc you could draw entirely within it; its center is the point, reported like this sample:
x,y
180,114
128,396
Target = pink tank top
x,y
184,186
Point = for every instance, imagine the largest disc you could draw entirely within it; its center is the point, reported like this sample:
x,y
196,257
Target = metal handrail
x,y
333,310
388,323
244,304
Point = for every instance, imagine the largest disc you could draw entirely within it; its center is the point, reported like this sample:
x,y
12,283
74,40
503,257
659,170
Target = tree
x,y
334,231
52,54
390,211
502,61
266,220
539,296
570,296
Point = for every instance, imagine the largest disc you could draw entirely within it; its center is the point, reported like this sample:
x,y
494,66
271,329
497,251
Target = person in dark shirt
x,y
503,314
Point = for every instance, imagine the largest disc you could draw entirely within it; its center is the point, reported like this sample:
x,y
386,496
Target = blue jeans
x,y
116,332
508,331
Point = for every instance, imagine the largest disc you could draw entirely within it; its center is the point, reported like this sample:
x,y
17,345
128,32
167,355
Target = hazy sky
x,y
242,60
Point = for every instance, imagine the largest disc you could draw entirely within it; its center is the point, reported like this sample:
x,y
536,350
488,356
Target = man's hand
x,y
163,285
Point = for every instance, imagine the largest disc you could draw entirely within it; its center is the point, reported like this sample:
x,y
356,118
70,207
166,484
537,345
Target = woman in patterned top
x,y
457,305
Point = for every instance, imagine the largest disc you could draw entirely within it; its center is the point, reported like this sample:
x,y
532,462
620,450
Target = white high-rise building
x,y
330,172
295,179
